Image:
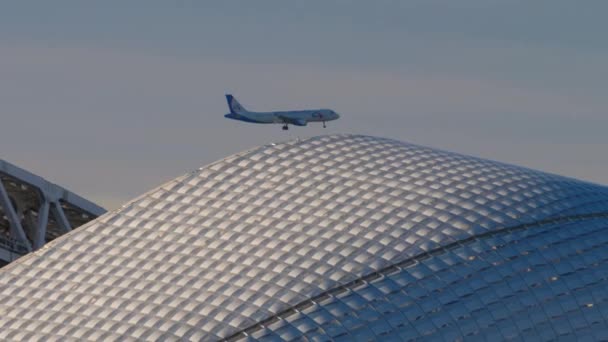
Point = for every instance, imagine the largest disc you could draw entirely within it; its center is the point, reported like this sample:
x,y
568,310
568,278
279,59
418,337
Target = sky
x,y
113,98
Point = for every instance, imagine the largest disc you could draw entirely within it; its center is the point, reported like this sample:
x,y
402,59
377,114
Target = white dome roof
x,y
243,240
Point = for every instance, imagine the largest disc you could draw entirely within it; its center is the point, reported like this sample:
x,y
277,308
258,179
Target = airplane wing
x,y
293,121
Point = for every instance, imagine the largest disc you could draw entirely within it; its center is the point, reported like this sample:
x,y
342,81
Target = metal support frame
x,y
16,227
43,220
37,211
59,215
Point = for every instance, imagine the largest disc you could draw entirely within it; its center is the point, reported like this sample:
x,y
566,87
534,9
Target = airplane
x,y
294,117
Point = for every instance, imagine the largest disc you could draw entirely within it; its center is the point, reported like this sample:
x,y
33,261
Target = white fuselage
x,y
285,117
292,117
279,117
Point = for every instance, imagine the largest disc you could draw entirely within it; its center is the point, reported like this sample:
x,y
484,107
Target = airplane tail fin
x,y
234,105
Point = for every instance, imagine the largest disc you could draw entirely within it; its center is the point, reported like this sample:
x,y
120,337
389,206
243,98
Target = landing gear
x,y
324,126
285,127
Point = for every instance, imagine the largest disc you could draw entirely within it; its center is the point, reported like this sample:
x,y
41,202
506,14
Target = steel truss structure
x,y
34,211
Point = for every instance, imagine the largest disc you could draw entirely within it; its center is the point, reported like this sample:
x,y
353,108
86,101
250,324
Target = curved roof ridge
x,y
341,288
241,239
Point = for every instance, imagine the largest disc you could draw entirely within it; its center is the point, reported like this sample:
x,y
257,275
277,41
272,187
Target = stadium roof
x,y
333,237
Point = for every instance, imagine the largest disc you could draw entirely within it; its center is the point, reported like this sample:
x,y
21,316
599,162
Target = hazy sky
x,y
111,98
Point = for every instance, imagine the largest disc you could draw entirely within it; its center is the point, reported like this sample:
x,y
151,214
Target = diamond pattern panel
x,y
231,244
542,283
